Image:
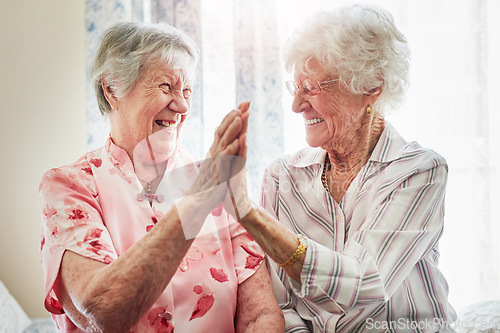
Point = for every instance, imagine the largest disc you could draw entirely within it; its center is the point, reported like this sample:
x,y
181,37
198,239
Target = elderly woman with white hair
x,y
354,220
118,248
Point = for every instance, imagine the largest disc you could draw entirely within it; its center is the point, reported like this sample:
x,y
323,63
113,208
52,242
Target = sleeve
x,y
294,323
248,256
286,300
71,220
402,225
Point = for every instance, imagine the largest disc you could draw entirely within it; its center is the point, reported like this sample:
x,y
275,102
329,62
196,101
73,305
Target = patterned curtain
x,y
239,46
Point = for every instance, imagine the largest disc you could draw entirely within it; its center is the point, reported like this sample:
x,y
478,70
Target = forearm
x,y
269,321
257,309
116,296
276,240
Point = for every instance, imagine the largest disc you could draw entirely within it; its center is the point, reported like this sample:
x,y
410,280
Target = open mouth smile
x,y
313,121
166,124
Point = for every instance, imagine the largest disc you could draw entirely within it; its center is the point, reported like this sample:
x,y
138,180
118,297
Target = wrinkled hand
x,y
222,175
210,187
223,160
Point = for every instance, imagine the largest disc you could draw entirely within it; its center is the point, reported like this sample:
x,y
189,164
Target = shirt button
x,y
167,315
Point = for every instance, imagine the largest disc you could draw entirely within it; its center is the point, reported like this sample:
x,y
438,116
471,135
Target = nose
x,y
179,104
299,103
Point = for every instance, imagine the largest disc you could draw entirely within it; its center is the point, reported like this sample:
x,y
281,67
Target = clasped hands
x,y
222,175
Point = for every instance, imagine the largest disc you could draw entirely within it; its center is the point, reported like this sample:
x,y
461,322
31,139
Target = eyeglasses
x,y
309,88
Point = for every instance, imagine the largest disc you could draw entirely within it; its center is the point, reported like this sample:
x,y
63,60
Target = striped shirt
x,y
372,259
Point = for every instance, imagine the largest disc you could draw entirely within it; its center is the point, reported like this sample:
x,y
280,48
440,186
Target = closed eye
x,y
166,87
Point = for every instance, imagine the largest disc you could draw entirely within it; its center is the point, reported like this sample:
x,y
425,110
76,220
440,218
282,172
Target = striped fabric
x,y
371,262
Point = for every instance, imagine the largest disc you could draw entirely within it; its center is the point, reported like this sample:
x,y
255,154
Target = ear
x,y
109,94
372,96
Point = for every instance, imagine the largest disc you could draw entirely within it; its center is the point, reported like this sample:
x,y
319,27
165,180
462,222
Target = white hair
x,y
128,50
359,43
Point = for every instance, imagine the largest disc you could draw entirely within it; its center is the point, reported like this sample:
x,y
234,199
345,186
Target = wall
x,y
42,125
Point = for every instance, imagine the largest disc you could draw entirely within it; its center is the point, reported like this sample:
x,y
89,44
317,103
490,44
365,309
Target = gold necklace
x,y
323,176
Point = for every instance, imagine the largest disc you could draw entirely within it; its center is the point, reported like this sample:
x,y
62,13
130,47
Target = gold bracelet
x,y
298,252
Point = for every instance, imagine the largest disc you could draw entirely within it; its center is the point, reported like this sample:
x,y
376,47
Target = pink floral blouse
x,y
96,208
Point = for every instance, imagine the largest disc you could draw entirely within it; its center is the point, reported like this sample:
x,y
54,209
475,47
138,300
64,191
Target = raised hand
x,y
220,164
237,184
223,161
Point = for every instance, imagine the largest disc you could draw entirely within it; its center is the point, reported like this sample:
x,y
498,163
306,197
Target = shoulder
x,y
414,166
76,175
421,158
392,149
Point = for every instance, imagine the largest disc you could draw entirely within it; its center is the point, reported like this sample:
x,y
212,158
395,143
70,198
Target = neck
x,y
148,172
348,155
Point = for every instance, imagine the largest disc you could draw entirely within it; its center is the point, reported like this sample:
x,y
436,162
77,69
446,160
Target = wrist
x,y
193,209
196,205
250,216
244,208
297,254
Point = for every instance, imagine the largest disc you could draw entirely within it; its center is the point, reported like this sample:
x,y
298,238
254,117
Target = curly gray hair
x,y
359,43
127,50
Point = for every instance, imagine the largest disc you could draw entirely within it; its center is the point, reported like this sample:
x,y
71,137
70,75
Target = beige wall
x,y
42,125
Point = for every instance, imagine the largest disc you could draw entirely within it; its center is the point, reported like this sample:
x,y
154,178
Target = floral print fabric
x,y
96,208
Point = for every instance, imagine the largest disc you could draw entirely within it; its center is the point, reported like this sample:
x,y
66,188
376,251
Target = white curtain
x,y
450,106
239,48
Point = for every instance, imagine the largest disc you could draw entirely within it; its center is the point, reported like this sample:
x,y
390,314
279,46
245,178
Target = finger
x,y
225,159
244,106
226,122
232,148
221,130
242,152
229,118
232,132
244,120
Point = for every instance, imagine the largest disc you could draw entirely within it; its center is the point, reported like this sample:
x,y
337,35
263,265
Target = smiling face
x,y
331,116
147,122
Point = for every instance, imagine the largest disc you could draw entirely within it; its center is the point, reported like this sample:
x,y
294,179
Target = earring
x,y
368,110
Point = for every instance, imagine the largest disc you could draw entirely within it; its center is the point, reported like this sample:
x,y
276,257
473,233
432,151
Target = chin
x,y
314,142
160,151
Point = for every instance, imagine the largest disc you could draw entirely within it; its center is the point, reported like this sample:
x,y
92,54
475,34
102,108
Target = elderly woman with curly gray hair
x,y
353,222
134,237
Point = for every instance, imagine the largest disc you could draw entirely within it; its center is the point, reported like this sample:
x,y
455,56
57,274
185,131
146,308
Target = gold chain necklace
x,y
323,176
